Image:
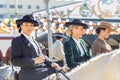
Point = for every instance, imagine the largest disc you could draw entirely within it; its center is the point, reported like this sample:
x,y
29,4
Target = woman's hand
x,y
39,59
56,66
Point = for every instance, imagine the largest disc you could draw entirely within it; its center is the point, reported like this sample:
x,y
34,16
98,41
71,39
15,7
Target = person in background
x,y
41,46
100,45
58,50
43,49
25,53
8,56
1,56
76,51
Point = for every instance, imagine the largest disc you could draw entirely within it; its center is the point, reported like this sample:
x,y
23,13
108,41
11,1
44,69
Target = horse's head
x,y
102,67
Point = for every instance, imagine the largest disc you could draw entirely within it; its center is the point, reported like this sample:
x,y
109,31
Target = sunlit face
x,y
106,33
79,31
27,28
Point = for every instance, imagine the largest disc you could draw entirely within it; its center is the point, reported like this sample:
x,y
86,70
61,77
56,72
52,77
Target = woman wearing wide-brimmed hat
x,y
75,48
100,45
27,55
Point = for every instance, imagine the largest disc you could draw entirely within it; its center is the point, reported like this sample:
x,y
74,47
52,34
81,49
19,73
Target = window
x,y
67,0
3,6
20,16
59,0
12,6
70,0
29,6
3,16
20,6
37,7
12,16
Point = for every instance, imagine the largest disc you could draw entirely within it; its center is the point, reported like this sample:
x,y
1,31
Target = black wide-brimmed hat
x,y
76,22
26,18
59,35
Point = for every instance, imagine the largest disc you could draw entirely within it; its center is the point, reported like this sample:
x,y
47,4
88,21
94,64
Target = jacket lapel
x,y
84,46
27,42
75,46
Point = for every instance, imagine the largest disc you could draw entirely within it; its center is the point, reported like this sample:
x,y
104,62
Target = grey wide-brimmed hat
x,y
76,22
105,24
26,18
59,35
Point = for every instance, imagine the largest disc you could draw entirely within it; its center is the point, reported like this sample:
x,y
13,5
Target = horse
x,y
6,72
105,66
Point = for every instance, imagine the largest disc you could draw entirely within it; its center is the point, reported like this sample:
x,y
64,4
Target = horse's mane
x,y
95,60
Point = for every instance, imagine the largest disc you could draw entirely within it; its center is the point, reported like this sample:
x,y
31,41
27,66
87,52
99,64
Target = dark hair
x,y
98,30
58,37
19,30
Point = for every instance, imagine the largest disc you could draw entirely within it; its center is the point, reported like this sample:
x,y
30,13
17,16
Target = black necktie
x,y
38,48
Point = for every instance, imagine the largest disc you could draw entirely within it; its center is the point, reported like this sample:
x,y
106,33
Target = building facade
x,y
18,8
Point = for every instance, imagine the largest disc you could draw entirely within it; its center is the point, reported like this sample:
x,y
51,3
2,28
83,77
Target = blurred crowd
x,y
8,26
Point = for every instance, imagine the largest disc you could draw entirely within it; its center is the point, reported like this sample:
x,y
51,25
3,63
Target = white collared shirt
x,y
58,51
79,46
108,47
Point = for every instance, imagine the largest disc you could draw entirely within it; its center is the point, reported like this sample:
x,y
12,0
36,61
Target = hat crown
x,y
58,34
103,23
77,21
28,17
106,25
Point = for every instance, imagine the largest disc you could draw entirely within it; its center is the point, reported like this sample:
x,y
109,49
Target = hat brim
x,y
85,26
99,26
20,21
59,36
